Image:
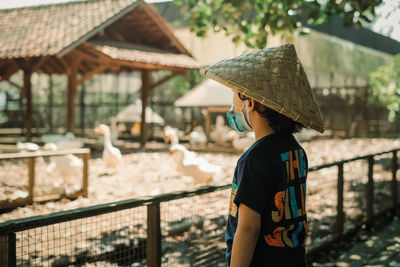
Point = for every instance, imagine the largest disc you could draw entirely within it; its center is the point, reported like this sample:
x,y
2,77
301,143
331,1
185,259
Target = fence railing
x,y
31,163
170,230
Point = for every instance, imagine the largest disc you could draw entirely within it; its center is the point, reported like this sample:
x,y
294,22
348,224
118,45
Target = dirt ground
x,y
153,173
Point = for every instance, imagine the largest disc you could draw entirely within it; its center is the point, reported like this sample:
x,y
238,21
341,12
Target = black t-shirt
x,y
270,178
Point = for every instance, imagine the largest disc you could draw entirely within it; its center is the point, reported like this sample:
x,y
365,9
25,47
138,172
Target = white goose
x,y
171,135
189,164
27,146
111,155
197,137
68,165
220,134
67,141
241,143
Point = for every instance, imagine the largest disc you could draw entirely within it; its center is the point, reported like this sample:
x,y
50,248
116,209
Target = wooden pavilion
x,y
84,38
211,96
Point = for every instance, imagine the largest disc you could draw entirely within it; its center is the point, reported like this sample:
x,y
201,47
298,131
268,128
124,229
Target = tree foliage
x,y
385,87
252,21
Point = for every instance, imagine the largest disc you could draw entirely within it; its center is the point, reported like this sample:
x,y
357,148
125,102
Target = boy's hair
x,y
281,124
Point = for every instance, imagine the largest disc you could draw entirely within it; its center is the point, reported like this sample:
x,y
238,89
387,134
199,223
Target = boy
x,y
267,220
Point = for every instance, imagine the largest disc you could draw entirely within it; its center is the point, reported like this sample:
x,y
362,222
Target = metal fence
x,y
180,228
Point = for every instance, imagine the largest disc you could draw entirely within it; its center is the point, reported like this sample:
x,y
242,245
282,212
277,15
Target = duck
x,y
190,164
27,146
63,141
67,165
304,135
197,137
171,135
241,143
220,134
111,155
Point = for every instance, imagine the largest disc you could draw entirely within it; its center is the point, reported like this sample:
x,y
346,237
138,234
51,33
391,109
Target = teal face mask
x,y
238,120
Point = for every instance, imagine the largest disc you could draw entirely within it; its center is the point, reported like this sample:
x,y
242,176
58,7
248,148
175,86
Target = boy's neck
x,y
260,126
263,132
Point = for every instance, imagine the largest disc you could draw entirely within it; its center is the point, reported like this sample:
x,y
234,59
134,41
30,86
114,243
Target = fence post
x,y
85,177
370,188
394,181
31,175
3,250
12,253
340,212
153,235
8,250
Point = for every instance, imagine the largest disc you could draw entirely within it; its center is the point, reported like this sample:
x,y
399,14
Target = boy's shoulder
x,y
269,148
261,149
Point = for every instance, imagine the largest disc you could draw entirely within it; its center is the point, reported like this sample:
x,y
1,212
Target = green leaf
x,y
273,15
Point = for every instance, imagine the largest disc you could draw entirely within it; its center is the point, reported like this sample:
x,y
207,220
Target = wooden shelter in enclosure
x,y
84,38
131,116
209,95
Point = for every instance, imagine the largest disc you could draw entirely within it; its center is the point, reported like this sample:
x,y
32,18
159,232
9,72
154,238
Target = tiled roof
x,y
58,28
145,54
52,29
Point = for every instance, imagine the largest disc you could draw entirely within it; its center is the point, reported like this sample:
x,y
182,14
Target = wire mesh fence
x,y
117,234
175,229
117,238
193,230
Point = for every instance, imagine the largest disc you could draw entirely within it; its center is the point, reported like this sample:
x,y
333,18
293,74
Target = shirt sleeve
x,y
253,188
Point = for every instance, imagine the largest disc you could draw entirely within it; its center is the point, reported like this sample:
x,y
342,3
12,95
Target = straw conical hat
x,y
273,77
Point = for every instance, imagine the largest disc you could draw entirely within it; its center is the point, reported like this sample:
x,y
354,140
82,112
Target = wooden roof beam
x,y
30,65
88,56
138,66
9,71
165,79
90,74
19,87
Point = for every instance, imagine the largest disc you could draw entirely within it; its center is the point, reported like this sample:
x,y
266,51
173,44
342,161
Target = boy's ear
x,y
251,104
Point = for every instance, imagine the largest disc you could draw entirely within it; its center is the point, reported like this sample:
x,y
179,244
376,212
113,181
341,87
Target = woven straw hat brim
x,y
273,77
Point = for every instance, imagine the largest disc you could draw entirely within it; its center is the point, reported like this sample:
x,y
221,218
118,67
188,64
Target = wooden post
x,y
145,90
82,108
12,250
153,235
8,250
85,177
370,188
340,212
51,104
29,106
207,124
3,250
393,185
71,92
72,73
31,175
29,66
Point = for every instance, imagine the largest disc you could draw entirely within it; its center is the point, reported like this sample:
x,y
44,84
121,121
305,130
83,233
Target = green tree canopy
x,y
385,85
251,21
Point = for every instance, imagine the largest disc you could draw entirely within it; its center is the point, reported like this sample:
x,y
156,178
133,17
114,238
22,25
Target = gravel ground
x,y
152,173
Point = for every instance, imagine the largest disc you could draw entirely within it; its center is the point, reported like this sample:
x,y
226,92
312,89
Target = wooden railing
x,y
31,157
369,195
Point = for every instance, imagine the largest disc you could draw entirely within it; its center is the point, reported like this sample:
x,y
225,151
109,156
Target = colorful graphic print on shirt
x,y
232,205
288,211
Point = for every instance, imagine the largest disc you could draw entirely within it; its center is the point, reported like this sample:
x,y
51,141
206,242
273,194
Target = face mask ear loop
x,y
246,106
